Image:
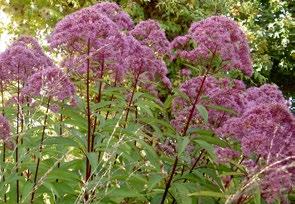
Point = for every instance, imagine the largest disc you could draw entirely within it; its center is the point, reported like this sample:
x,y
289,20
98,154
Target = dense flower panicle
x,y
268,131
116,14
275,184
263,130
97,28
167,147
150,34
23,58
141,62
75,30
267,93
185,72
32,44
224,155
4,129
50,82
109,58
4,73
216,35
219,92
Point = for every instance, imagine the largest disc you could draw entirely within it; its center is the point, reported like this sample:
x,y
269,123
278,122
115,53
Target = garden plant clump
x,y
106,122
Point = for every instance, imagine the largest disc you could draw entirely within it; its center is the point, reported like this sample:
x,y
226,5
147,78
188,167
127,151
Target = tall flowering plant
x,y
109,124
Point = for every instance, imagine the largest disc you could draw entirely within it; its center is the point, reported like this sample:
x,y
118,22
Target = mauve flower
x,y
75,30
94,33
144,65
216,92
216,35
23,58
267,93
167,147
116,14
150,34
267,131
185,72
4,73
224,155
50,82
4,129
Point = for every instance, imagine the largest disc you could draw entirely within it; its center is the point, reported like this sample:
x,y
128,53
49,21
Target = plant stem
x,y
4,149
88,113
199,91
60,132
168,184
131,98
98,100
40,149
17,135
194,105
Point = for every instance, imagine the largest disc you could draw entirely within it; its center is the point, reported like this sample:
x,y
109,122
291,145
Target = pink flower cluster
x,y
116,14
266,129
216,92
215,36
50,82
225,155
142,63
103,34
4,129
150,34
22,59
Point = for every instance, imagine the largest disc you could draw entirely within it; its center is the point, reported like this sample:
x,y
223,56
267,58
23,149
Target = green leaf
x,y
63,141
222,109
93,159
182,145
209,194
51,188
181,94
203,112
26,190
125,192
257,197
154,179
208,147
180,192
213,140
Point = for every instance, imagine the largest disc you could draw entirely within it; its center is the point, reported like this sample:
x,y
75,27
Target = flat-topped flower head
x,y
4,128
23,58
267,93
142,63
50,82
267,131
32,44
215,36
84,26
224,155
150,34
4,72
223,93
116,14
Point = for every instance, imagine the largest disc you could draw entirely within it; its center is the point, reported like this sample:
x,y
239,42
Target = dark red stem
x,y
17,135
194,105
168,184
131,98
88,113
98,100
4,149
40,149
